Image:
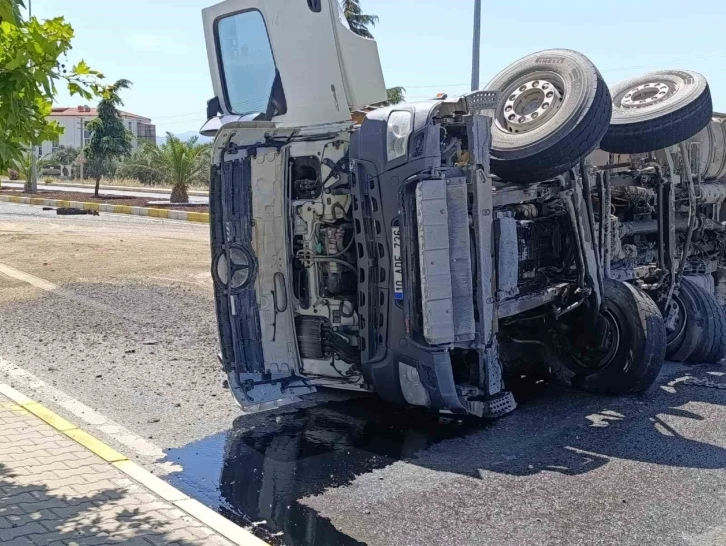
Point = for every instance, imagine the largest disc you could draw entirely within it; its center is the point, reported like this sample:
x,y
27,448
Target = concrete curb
x,y
194,508
202,217
141,189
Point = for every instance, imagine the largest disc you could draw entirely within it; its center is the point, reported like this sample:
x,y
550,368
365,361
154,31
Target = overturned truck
x,y
429,251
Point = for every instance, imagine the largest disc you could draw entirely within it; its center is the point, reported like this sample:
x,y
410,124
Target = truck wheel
x,y
657,110
685,331
711,346
555,109
634,348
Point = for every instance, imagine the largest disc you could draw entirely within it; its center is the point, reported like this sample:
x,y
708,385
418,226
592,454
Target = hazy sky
x,y
425,45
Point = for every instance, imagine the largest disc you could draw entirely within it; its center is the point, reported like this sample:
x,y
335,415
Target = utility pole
x,y
31,185
476,48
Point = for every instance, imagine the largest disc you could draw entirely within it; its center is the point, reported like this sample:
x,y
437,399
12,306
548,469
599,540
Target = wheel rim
x,y
530,101
597,359
646,94
676,321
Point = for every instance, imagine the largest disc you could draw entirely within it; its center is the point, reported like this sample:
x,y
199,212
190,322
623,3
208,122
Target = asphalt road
x,y
121,336
161,196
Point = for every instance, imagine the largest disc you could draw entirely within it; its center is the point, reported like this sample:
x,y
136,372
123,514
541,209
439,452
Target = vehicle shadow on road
x,y
572,433
274,459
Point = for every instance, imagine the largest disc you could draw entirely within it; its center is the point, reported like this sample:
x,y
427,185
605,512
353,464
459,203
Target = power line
x,y
189,117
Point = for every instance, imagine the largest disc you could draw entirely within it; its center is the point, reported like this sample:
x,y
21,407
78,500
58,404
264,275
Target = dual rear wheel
x,y
624,351
696,326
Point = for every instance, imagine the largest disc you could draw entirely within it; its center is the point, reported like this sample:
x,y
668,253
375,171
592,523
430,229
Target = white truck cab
x,y
295,63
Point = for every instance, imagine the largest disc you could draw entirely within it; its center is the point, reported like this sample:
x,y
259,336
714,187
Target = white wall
x,y
73,133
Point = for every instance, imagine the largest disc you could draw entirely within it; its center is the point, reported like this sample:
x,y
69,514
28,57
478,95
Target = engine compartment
x,y
324,272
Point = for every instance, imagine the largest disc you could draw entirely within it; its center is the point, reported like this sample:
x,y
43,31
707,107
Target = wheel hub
x,y
530,105
596,354
675,321
646,94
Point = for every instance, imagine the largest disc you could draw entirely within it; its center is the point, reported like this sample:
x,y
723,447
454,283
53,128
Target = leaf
x,y
31,57
81,69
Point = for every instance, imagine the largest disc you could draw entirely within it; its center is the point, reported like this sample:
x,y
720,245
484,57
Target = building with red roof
x,y
76,134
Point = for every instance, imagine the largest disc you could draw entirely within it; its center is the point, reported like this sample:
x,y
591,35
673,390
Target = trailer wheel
x,y
555,109
657,110
634,345
711,346
689,328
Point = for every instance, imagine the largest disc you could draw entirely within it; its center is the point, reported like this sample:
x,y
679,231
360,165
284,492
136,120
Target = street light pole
x,y
476,46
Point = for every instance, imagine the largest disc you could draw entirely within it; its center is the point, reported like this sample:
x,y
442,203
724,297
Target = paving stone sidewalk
x,y
53,491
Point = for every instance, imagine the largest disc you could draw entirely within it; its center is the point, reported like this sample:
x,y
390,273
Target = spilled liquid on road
x,y
257,472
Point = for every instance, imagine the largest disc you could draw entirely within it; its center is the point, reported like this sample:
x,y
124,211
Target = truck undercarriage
x,y
433,249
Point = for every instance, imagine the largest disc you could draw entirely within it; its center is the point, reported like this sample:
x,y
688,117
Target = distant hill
x,y
184,136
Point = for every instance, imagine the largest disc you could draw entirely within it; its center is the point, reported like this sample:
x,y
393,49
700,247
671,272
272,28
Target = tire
x,y
634,359
552,139
679,109
684,338
711,346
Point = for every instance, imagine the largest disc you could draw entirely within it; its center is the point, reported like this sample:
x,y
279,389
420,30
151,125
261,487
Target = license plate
x,y
397,264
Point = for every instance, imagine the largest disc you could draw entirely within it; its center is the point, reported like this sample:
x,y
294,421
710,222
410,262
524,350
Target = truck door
x,y
294,62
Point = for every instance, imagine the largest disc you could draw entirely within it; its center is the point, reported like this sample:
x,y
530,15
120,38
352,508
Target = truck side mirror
x,y
213,108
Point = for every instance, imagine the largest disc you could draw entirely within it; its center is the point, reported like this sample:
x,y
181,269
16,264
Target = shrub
x,y
64,155
139,166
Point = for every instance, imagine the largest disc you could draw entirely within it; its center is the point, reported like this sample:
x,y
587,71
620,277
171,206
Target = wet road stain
x,y
256,472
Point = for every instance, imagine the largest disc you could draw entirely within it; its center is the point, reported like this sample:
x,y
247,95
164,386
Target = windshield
x,y
248,68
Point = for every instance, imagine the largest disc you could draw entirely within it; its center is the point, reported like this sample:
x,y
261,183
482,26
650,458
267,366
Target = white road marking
x,y
27,277
47,393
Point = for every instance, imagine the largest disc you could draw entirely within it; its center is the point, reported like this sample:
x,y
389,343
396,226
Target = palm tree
x,y
357,21
24,165
180,163
396,95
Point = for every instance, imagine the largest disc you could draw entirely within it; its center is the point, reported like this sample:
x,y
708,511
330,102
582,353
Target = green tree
x,y
357,20
24,165
180,164
110,140
140,165
396,95
64,155
32,63
10,10
359,23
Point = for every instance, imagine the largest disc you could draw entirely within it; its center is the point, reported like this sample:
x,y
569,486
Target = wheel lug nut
x,y
508,109
550,95
523,88
545,106
511,117
521,120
